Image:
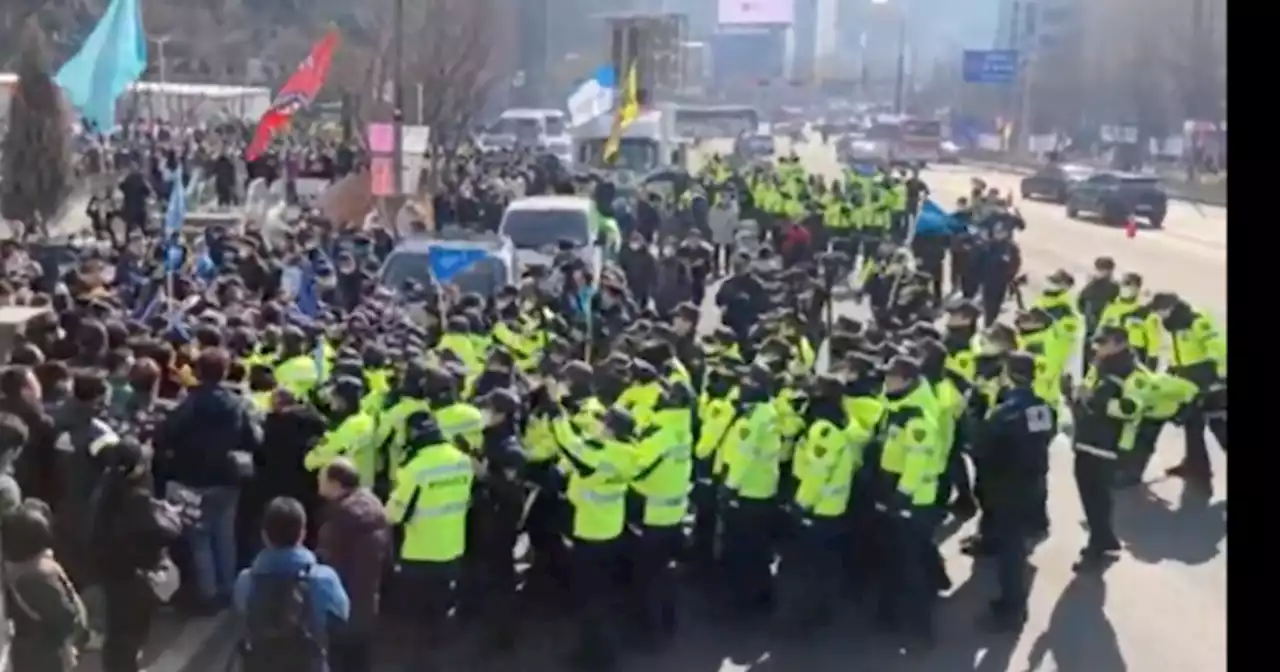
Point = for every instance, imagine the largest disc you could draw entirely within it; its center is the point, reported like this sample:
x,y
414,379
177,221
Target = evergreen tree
x,y
35,165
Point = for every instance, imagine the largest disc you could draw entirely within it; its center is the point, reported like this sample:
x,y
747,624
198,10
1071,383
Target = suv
x,y
1054,182
1115,197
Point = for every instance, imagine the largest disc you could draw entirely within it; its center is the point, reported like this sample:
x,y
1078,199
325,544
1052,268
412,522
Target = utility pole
x,y
900,75
397,96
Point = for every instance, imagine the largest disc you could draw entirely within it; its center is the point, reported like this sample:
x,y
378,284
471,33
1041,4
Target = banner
x,y
933,220
447,262
296,94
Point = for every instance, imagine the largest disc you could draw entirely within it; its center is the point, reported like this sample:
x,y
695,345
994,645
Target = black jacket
x,y
131,530
202,431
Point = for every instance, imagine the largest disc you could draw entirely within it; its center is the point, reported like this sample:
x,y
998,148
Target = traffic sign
x,y
990,66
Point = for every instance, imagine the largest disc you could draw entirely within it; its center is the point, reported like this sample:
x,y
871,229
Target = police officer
x,y
499,508
753,451
824,463
431,498
1103,406
1198,354
902,468
1012,445
600,471
662,486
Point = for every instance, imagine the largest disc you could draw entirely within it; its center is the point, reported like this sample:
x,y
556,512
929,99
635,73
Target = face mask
x,y
636,246
988,348
1055,288
1129,292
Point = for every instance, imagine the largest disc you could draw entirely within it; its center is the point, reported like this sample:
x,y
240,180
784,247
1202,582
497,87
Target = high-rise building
x,y
804,41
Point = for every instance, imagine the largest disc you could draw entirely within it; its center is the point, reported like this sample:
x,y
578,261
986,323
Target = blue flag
x,y
934,221
307,300
447,262
605,77
176,213
114,56
174,256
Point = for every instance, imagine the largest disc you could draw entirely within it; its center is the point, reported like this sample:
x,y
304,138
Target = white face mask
x,y
988,348
1129,292
1056,288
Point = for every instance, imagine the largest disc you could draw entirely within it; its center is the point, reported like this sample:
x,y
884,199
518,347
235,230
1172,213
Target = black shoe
x,y
975,547
1000,617
963,509
1186,471
1092,561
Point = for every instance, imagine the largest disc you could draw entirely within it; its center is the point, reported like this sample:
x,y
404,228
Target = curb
x,y
1015,169
201,647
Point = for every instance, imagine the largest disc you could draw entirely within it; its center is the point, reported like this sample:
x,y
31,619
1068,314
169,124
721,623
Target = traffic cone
x,y
1130,228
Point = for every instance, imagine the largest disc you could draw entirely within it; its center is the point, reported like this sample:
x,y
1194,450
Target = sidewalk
x,y
178,644
1208,193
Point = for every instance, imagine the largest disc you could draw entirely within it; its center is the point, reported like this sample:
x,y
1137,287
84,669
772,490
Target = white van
x,y
536,225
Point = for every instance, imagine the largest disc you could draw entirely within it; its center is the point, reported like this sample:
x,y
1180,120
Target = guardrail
x,y
1211,190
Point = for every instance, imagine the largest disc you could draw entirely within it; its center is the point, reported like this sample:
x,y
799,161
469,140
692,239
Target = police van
x,y
535,225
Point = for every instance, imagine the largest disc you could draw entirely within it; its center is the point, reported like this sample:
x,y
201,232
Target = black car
x,y
1054,182
1116,196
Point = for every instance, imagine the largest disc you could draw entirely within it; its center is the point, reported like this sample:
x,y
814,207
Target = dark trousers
x,y
429,588
748,550
1008,537
654,581
909,588
955,484
351,651
992,302
810,568
594,566
129,609
1197,458
1134,462
1094,478
705,522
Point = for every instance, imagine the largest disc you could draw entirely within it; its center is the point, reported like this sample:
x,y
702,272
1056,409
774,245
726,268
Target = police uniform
x,y
1013,445
1106,408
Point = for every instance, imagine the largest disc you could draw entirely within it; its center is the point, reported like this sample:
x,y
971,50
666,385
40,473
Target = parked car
x,y
1054,182
948,153
1115,197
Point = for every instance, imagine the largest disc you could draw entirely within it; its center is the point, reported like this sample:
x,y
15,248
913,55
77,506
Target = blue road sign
x,y
990,66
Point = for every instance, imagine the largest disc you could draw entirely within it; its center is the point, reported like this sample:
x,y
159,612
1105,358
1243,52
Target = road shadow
x,y
1155,529
1079,636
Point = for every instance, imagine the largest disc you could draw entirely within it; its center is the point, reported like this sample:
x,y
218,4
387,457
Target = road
x,y
1161,608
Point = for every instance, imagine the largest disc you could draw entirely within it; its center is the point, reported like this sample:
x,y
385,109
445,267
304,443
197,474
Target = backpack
x,y
278,634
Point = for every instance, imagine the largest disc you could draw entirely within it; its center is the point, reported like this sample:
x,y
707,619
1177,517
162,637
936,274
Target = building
x,y
803,42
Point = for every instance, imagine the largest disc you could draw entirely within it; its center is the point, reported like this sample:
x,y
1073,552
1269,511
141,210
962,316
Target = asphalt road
x,y
1161,608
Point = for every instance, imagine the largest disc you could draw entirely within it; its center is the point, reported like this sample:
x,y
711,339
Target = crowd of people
x,y
337,459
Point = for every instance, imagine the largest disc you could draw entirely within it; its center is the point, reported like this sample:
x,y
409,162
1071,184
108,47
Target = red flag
x,y
297,93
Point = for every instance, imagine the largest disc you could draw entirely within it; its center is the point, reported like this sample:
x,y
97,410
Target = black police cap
x,y
1164,300
1020,366
903,367
1111,334
1104,264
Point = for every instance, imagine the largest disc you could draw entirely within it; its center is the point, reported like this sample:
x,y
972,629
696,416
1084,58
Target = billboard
x,y
747,58
756,12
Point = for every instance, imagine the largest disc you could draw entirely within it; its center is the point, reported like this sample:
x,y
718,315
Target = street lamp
x,y
161,42
900,73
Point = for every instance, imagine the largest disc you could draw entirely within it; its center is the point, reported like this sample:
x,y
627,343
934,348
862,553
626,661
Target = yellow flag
x,y
626,109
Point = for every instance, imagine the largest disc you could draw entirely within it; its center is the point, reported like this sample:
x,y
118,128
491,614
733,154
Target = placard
x,y
382,180
382,138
